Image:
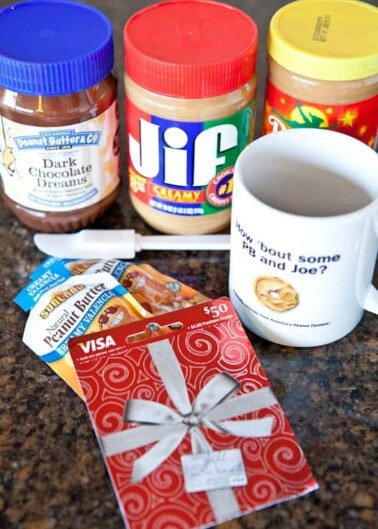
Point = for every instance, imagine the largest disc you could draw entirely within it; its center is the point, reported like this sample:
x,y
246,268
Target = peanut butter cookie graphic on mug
x,y
275,293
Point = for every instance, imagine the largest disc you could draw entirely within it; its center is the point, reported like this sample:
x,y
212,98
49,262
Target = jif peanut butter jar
x,y
190,82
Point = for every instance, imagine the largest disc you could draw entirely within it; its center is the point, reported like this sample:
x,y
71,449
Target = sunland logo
x,y
97,344
59,298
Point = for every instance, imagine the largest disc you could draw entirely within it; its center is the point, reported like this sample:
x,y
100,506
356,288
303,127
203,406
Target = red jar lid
x,y
190,48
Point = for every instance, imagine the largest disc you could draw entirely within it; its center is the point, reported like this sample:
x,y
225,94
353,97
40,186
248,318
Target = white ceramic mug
x,y
304,236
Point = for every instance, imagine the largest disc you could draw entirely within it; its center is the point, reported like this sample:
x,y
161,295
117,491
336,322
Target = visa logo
x,y
97,344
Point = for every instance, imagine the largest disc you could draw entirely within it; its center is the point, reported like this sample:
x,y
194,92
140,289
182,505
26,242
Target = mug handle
x,y
371,300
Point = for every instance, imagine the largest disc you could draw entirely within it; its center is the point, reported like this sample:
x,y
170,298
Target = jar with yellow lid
x,y
323,68
190,82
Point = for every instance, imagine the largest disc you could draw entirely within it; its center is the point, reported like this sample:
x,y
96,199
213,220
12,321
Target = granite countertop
x,y
52,475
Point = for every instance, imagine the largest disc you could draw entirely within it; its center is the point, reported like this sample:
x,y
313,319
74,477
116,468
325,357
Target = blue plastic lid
x,y
54,47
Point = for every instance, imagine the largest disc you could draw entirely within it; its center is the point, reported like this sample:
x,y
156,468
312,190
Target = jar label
x,y
185,168
283,111
60,168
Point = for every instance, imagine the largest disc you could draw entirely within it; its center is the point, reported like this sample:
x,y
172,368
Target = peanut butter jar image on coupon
x,y
59,146
323,68
190,82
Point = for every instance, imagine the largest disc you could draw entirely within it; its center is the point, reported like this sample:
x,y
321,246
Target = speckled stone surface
x,y
52,474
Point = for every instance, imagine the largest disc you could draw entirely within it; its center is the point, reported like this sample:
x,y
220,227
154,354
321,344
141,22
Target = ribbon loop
x,y
149,412
219,388
242,404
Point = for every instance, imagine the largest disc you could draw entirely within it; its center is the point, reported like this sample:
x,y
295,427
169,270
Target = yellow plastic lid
x,y
333,40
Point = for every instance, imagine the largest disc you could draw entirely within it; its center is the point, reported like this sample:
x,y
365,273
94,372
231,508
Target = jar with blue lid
x,y
59,128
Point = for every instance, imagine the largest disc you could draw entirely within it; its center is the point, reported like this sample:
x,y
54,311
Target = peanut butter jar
x,y
190,83
323,68
59,146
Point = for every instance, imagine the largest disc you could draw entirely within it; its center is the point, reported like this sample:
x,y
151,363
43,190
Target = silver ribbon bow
x,y
167,427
